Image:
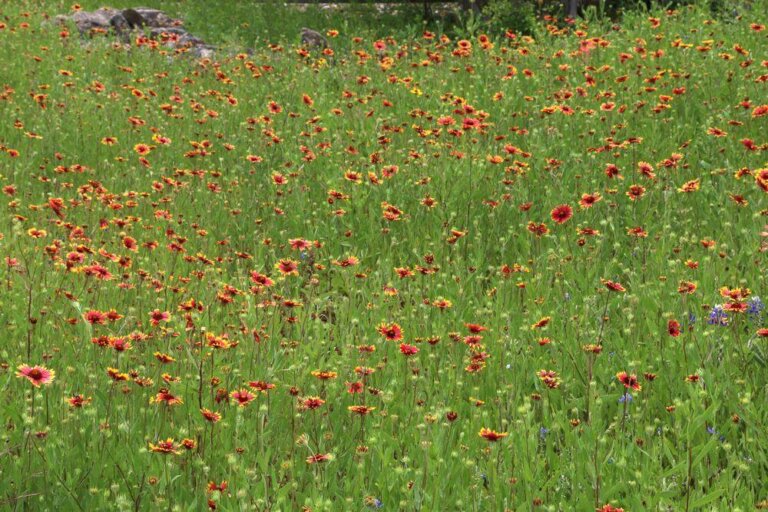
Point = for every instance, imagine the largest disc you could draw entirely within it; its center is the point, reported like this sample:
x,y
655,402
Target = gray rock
x,y
99,19
157,18
134,18
313,39
155,23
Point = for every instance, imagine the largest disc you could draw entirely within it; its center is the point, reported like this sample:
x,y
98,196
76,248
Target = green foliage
x,y
405,178
519,17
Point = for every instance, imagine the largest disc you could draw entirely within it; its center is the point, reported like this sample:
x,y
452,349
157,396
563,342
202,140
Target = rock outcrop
x,y
126,23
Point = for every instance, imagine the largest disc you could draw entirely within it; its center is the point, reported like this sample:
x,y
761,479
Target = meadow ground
x,y
490,273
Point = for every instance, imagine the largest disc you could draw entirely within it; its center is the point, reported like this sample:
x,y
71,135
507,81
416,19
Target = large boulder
x,y
154,23
156,18
99,19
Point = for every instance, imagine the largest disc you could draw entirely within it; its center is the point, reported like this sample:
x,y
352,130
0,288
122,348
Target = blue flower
x,y
543,431
626,397
717,316
373,502
755,308
713,432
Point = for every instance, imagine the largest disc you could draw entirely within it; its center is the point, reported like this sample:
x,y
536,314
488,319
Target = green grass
x,y
204,217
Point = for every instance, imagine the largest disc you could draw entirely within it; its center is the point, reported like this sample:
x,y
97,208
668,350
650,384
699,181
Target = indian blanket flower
x,y
243,397
288,267
635,192
118,376
362,410
260,385
492,435
318,458
164,395
538,230
613,286
166,447
392,332
673,328
311,403
324,374
261,279
475,328
157,316
37,375
561,214
629,381
210,416
588,200
549,378
609,508
78,401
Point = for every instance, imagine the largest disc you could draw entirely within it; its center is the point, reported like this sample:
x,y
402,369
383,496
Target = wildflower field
x,y
480,272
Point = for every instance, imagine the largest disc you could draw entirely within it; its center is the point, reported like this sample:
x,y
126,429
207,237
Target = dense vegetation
x,y
497,272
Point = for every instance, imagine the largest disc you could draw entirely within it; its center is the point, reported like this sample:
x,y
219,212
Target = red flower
x,y
475,328
491,435
613,286
288,267
354,387
320,457
635,192
609,508
220,487
760,111
210,416
164,395
158,316
408,350
629,381
362,410
261,279
538,229
587,200
549,378
36,374
311,403
392,332
78,401
165,447
260,385
94,317
243,397
673,328
561,214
